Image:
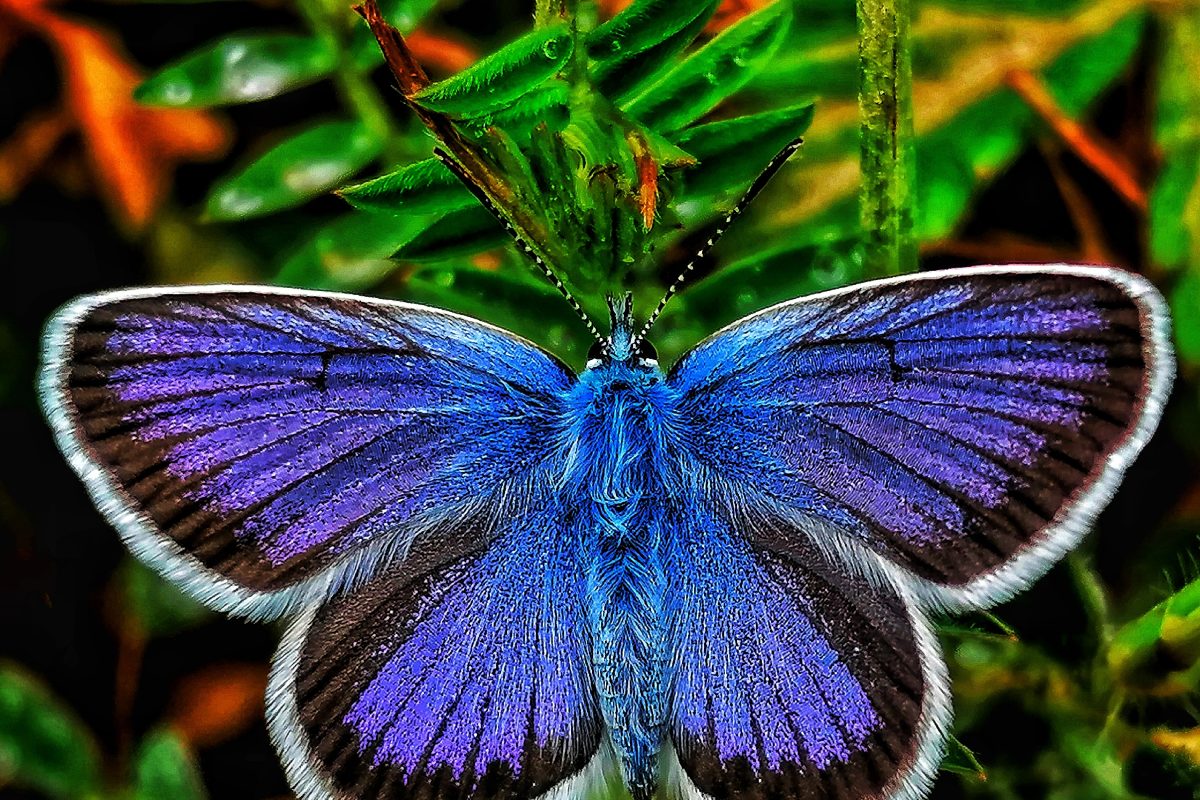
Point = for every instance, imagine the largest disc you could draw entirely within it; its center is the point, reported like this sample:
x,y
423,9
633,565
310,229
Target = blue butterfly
x,y
510,580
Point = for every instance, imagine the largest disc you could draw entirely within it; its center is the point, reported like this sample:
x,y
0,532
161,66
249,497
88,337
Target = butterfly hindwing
x,y
966,425
263,446
450,676
793,678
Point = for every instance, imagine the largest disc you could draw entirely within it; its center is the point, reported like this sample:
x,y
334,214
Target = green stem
x,y
331,22
885,116
360,95
1095,599
547,12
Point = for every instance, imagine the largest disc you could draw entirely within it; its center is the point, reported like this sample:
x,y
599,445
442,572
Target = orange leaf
x,y
444,55
30,146
132,148
730,11
217,703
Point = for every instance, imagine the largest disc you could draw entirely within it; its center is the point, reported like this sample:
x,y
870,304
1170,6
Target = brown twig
x,y
1004,248
474,166
30,147
1082,142
131,651
1092,248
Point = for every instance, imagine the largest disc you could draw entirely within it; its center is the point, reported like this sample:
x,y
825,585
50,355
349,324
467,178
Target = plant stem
x,y
1095,599
359,93
886,133
547,12
330,21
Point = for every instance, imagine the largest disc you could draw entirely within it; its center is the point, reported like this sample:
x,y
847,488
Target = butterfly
x,y
507,579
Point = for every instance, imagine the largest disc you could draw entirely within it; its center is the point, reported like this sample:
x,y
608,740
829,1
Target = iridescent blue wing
x,y
791,677
263,447
460,677
965,425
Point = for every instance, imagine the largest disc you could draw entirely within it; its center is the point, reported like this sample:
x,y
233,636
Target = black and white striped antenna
x,y
526,248
761,181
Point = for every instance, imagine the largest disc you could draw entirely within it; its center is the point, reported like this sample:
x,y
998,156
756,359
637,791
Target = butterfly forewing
x,y
245,442
965,425
793,678
453,675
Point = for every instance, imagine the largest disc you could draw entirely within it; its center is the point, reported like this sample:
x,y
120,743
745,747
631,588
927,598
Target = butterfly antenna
x,y
526,248
761,181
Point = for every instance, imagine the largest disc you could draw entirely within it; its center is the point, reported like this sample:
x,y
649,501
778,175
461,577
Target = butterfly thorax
x,y
621,420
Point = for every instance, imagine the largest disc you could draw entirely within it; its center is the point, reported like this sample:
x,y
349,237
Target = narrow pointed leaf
x,y
731,153
753,283
239,69
42,744
1175,209
1185,299
351,252
1175,198
960,137
459,233
546,105
295,170
502,77
635,44
165,767
714,72
520,302
425,187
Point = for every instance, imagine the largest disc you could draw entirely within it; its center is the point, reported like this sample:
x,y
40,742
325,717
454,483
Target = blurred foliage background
x,y
181,142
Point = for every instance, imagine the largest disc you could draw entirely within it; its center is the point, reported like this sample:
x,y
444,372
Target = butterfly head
x,y
622,345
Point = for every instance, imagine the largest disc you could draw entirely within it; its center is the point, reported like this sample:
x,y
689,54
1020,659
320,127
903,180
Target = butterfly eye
x,y
646,351
596,351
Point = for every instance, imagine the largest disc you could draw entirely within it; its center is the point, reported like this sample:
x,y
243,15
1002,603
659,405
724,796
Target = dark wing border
x,y
137,530
1074,519
937,709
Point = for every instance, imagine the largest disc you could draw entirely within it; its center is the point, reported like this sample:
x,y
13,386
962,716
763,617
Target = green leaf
x,y
294,170
974,133
459,233
502,77
43,746
350,253
1174,213
164,767
406,15
514,299
239,69
155,605
945,182
635,44
733,152
1185,299
546,105
962,760
426,187
1174,218
714,72
826,261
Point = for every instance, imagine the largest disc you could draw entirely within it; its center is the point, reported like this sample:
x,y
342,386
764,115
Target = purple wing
x,y
263,447
966,425
461,678
792,678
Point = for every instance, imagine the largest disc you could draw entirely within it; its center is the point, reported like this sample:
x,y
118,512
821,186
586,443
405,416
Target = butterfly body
x,y
621,428
508,580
